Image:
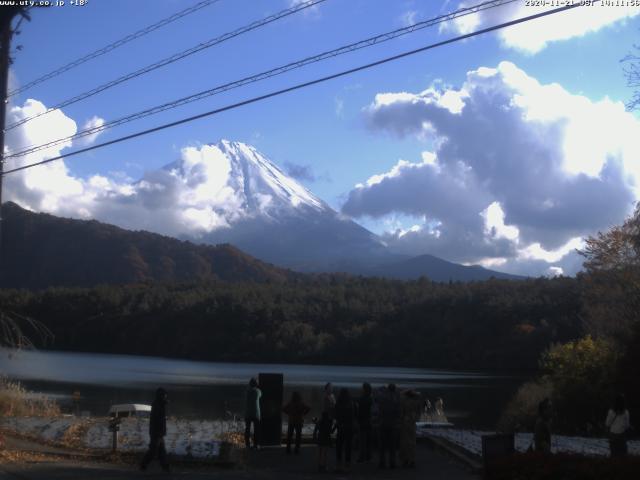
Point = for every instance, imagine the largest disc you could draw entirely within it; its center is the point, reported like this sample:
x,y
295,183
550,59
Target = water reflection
x,y
209,390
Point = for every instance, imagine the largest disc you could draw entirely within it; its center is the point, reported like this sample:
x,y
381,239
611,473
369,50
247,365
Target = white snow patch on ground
x,y
200,437
471,440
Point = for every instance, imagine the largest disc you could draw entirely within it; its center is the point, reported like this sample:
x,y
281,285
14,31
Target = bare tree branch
x,y
631,70
19,331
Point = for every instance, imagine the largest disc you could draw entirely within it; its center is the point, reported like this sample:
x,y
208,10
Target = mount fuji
x,y
269,215
224,193
278,220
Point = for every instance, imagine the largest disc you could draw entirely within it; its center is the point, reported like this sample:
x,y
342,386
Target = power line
x,y
267,74
172,59
297,86
113,46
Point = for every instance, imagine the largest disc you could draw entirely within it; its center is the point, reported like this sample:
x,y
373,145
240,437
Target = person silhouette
x,y
542,432
252,414
345,415
296,409
157,431
617,424
410,408
365,428
389,402
329,400
322,435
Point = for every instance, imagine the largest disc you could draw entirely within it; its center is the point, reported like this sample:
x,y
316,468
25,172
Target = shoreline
x,y
202,439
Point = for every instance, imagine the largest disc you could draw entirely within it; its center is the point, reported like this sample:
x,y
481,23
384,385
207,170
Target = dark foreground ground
x,y
272,463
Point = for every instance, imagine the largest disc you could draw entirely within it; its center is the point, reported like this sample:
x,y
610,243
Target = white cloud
x,y
313,11
555,271
535,251
205,191
94,123
533,36
40,188
408,18
513,179
494,225
191,197
40,130
339,107
568,265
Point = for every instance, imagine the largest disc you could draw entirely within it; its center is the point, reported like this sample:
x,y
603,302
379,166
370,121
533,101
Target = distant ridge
x,y
41,250
438,270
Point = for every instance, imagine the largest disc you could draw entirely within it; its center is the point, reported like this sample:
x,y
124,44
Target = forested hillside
x,y
41,250
324,319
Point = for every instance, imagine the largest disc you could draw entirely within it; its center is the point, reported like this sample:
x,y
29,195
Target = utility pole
x,y
6,17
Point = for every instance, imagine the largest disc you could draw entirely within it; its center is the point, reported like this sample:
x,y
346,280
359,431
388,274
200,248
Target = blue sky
x,y
336,129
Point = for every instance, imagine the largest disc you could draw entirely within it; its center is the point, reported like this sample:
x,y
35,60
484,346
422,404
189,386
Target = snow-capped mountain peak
x,y
264,187
230,192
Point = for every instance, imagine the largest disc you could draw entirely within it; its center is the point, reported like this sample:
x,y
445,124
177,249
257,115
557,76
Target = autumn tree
x,y
582,376
612,299
612,280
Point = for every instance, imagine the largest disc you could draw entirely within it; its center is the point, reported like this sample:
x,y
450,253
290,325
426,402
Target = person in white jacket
x,y
617,424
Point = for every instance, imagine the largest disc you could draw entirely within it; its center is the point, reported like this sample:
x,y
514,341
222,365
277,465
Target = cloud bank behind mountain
x,y
520,172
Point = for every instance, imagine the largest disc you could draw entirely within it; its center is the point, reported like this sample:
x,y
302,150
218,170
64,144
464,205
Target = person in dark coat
x,y
328,400
389,425
345,415
252,414
157,431
542,432
296,410
322,434
378,394
365,402
410,408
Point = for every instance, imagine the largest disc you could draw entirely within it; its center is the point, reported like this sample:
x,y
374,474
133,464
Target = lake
x,y
210,390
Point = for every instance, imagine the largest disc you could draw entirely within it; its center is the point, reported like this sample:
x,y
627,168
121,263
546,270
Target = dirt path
x,y
52,463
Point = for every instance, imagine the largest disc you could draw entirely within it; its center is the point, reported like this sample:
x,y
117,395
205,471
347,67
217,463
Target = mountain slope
x,y
437,270
41,250
282,222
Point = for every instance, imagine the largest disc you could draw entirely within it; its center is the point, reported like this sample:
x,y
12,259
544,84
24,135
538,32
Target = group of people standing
x,y
617,425
434,412
384,418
